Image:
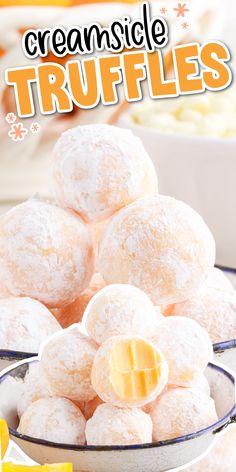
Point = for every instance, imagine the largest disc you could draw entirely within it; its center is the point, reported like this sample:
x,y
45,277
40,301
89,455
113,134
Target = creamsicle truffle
x,y
186,347
199,382
54,419
98,169
34,387
118,426
24,324
129,371
119,309
66,362
222,457
46,253
181,411
97,229
73,313
217,279
214,310
161,246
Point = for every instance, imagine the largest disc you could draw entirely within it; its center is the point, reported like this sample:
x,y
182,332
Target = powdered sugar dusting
x,y
24,324
214,309
54,419
46,253
160,245
186,346
98,169
119,309
181,411
66,362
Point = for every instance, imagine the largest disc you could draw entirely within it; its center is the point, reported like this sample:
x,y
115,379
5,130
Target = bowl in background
x,y
154,457
201,172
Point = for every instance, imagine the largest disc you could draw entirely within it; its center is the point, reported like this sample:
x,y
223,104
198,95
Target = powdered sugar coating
x,y
119,309
217,279
24,324
214,310
101,374
181,411
46,253
186,347
35,387
118,426
159,315
98,169
54,419
160,245
199,382
222,457
66,362
73,313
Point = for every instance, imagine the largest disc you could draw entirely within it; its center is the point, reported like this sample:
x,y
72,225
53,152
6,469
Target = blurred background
x,y
204,177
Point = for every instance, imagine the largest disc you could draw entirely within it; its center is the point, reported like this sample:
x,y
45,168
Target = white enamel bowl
x,y
9,358
154,457
201,172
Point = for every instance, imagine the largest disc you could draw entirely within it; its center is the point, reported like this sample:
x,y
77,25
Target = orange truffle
x,y
186,346
181,411
54,419
160,245
118,426
120,309
46,253
213,309
24,324
129,371
66,362
98,169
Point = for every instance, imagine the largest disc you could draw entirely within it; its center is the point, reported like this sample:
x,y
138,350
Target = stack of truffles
x,y
116,256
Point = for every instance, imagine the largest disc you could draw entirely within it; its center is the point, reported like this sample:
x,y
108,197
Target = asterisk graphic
x,y
181,9
163,10
17,132
185,25
10,118
35,128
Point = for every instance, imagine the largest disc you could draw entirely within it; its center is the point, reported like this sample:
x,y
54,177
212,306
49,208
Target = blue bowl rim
x,y
211,428
19,355
15,355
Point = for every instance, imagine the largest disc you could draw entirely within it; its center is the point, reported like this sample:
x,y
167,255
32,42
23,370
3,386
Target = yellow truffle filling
x,y
135,369
4,438
10,467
